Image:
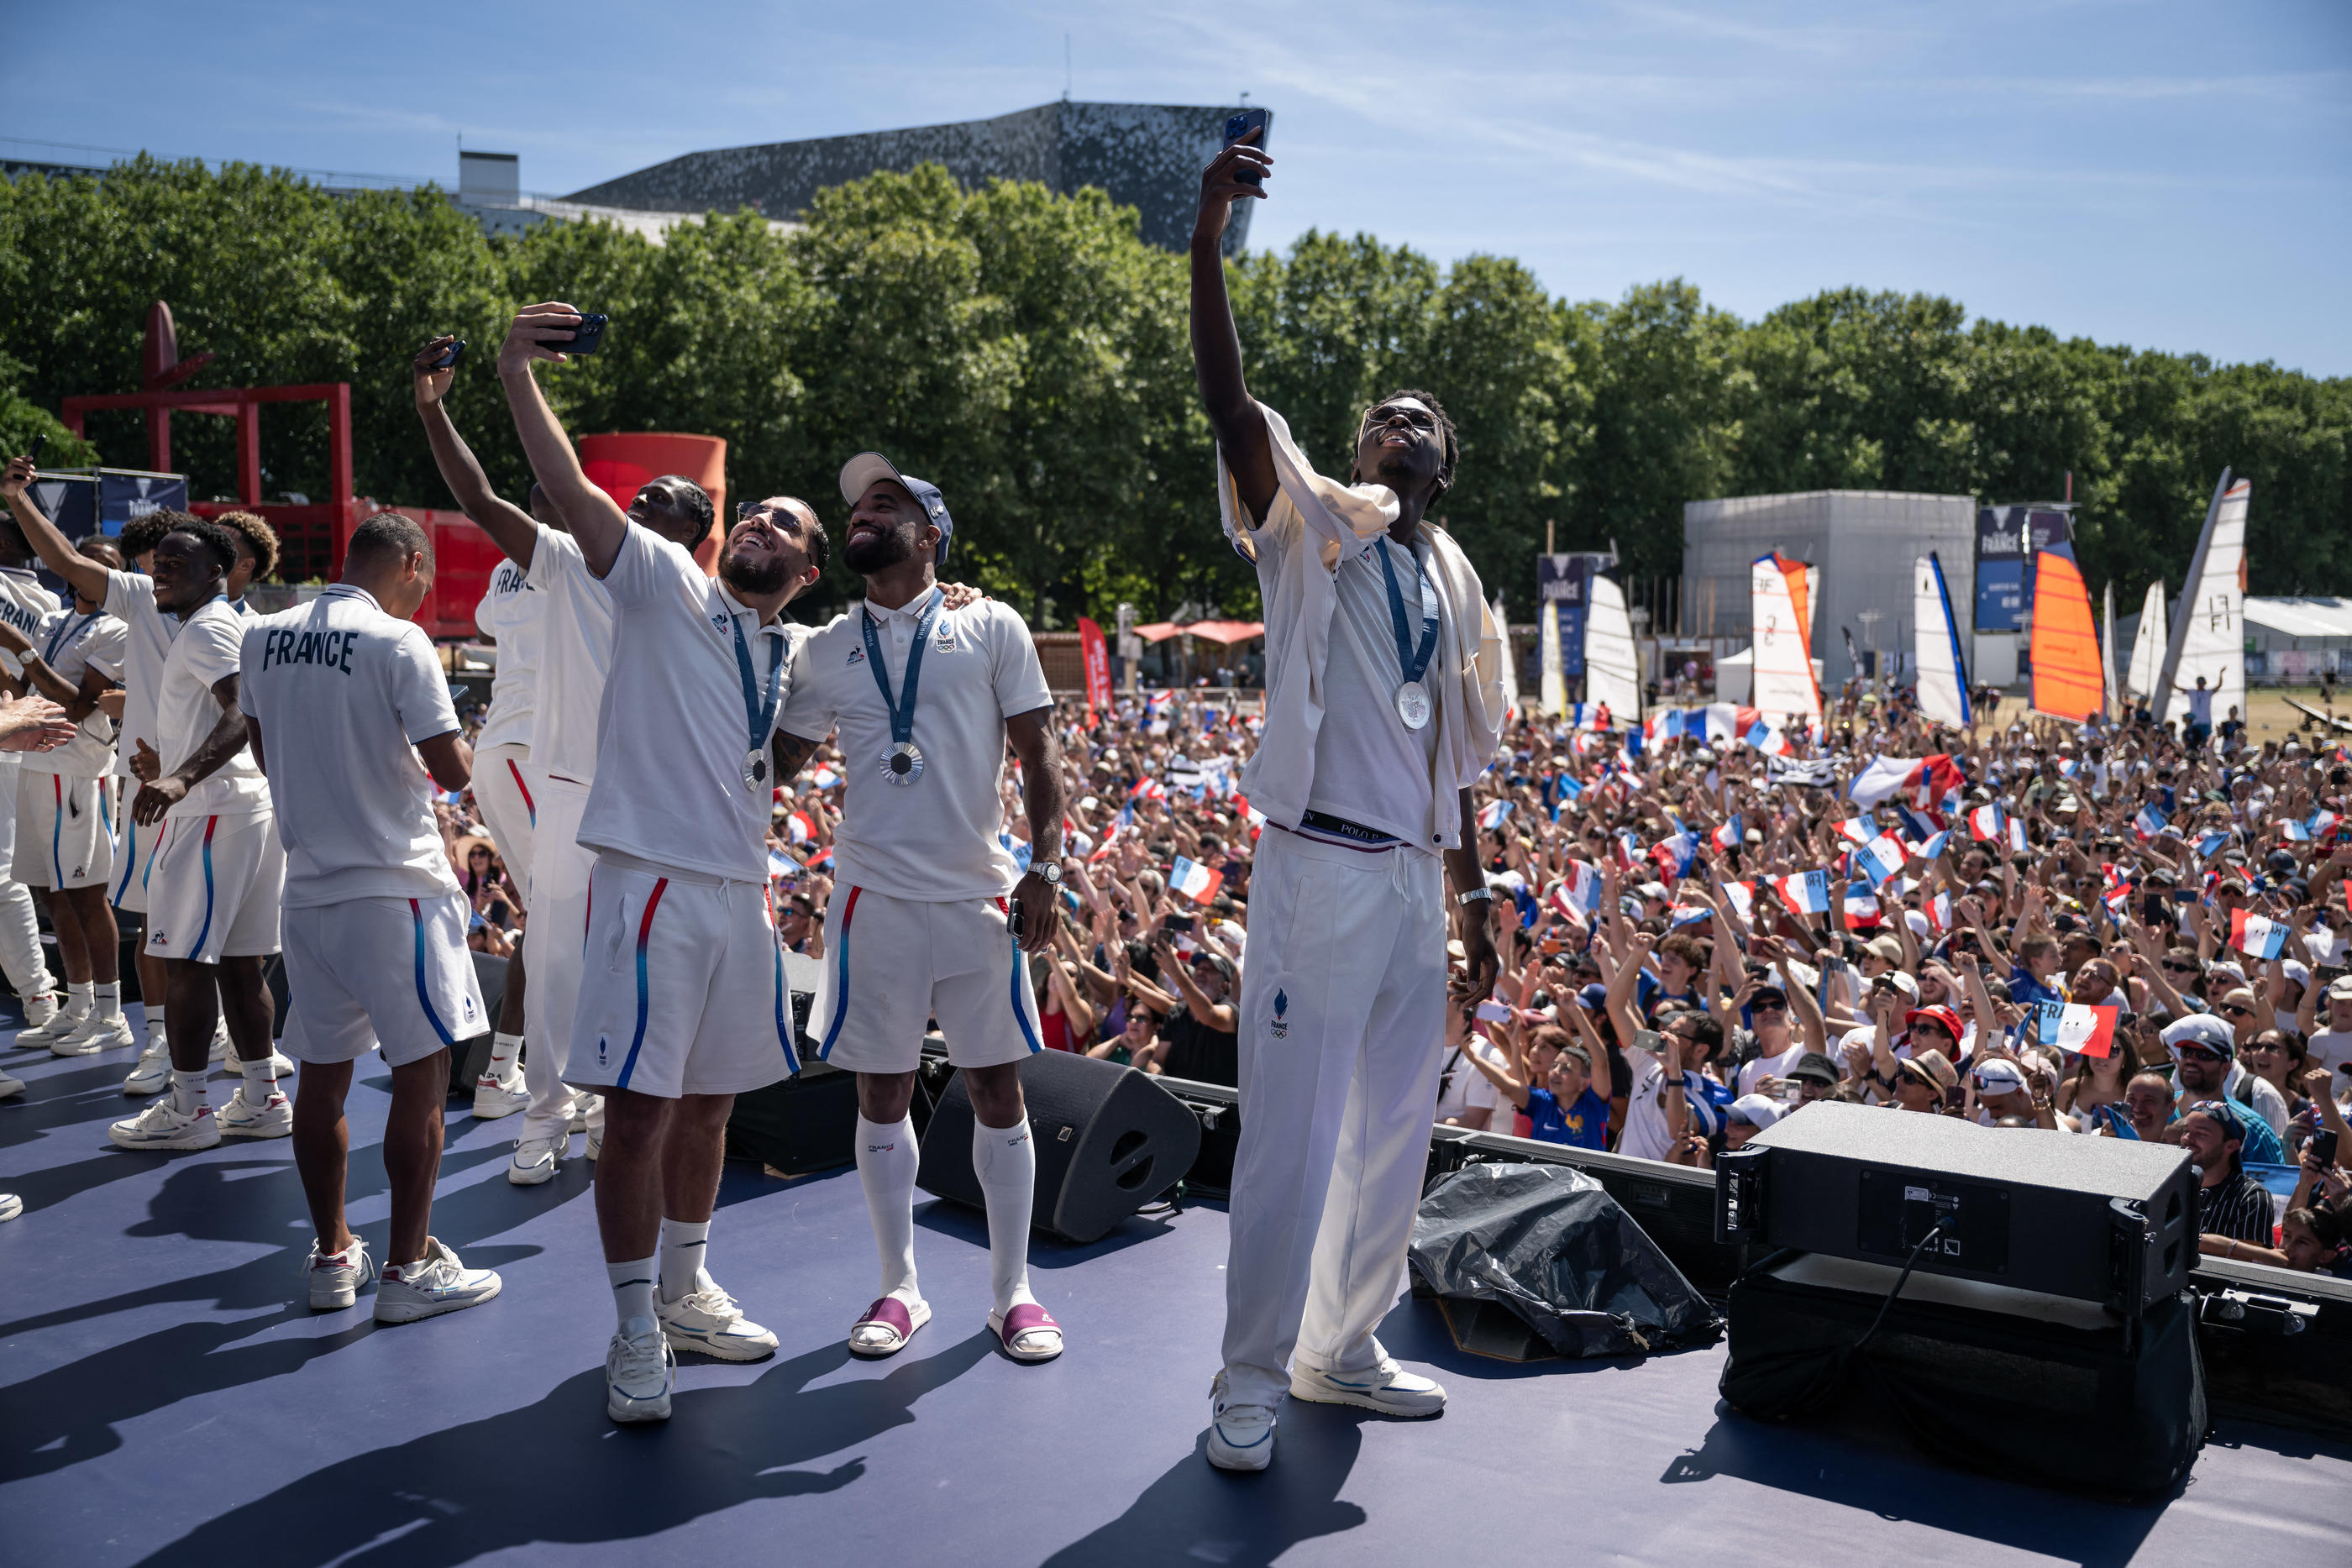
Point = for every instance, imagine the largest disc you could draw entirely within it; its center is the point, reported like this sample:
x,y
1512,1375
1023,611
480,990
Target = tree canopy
x,y
1027,353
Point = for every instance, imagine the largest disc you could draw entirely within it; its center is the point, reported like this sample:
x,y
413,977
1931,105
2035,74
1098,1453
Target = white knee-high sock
x,y
886,1161
1005,1160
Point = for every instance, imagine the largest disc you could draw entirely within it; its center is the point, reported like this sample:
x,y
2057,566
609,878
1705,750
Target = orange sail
x,y
2068,680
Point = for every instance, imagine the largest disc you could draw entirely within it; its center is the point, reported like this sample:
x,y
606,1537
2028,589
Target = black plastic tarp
x,y
1546,1243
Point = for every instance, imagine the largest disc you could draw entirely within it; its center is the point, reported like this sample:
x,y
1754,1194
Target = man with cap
x,y
1815,1076
1921,1082
2233,1208
2332,1047
2204,1052
2002,1089
930,916
1749,1115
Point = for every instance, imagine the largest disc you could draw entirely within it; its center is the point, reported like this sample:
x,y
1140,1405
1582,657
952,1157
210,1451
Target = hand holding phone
x,y
1493,1012
1238,126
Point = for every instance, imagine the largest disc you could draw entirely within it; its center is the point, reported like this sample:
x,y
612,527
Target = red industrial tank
x,y
621,464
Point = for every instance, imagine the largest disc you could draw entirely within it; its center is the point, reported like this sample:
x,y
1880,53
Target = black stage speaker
x,y
2105,1220
2038,1389
807,1122
1109,1140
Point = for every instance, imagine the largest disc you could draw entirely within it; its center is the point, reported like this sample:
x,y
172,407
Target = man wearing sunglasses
x,y
2204,1053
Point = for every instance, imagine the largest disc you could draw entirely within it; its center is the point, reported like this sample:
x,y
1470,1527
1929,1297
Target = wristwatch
x,y
1048,872
1474,895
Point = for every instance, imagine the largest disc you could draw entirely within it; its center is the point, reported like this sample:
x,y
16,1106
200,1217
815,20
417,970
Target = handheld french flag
x,y
1491,815
2079,1027
1984,823
1146,789
2017,835
799,828
1195,881
1856,829
2212,843
1807,893
1673,855
1741,896
2293,831
2255,936
825,778
1935,844
1880,859
2319,822
2149,823
1861,910
1938,911
780,864
1731,834
1689,914
1922,779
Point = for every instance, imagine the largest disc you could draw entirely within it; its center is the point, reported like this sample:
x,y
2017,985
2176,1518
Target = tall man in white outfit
x,y
1383,705
927,696
576,656
682,1002
347,711
65,812
213,901
513,615
24,604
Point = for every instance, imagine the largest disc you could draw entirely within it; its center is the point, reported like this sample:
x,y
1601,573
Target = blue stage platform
x,y
165,1397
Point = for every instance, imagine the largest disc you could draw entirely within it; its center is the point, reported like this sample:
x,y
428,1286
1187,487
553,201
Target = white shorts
x,y
682,988
135,849
66,827
349,993
892,965
214,891
508,792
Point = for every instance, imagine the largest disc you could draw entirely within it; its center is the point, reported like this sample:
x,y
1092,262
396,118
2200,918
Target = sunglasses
x,y
1768,1008
2180,968
2235,1012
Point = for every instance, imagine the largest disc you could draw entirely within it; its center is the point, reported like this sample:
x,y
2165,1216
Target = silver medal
x,y
755,770
902,764
1412,704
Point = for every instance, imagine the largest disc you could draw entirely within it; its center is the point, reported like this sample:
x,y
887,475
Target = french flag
x,y
2255,936
1732,834
1922,779
2293,831
825,778
1918,826
2078,1027
1155,703
799,828
1939,911
1146,789
1935,845
1689,914
822,860
1984,823
1673,855
2212,843
2017,835
780,864
1195,881
1761,737
1807,893
1742,898
1861,911
2319,822
1856,829
1491,815
2149,823
1579,889
1880,859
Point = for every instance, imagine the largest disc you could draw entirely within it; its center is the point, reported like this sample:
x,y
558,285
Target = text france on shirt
x,y
329,650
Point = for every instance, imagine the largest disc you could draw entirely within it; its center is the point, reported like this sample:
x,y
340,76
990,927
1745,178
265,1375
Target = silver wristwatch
x,y
1050,871
1475,896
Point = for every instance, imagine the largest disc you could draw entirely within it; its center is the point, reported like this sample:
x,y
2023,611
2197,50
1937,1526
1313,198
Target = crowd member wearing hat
x,y
2232,1207
931,914
1383,707
2206,1065
2330,1047
1924,1081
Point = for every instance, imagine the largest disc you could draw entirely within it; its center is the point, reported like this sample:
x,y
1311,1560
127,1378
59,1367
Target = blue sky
x,y
2169,175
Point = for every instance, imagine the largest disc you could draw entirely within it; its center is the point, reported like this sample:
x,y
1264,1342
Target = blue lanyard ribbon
x,y
1414,660
65,636
902,709
760,714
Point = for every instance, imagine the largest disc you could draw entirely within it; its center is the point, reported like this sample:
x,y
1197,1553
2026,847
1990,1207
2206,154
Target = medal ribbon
x,y
902,709
760,714
1413,660
67,635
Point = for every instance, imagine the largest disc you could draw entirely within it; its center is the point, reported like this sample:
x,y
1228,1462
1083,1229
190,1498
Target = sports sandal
x,y
1030,1323
893,1316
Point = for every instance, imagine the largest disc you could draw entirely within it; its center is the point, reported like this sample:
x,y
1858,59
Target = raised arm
x,y
88,576
599,525
511,528
1233,415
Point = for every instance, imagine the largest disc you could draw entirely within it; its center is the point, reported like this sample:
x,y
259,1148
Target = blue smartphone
x,y
1240,125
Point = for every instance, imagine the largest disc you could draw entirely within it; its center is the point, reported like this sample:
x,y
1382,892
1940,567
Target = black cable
x,y
1900,1281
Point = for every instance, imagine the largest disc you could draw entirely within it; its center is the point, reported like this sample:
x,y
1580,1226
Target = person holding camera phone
x,y
926,687
1383,705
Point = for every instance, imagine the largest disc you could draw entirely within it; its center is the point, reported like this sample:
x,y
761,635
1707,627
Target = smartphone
x,y
450,355
2184,896
2323,1144
1240,125
1013,918
1493,1012
1177,923
39,441
1649,1040
587,339
2151,909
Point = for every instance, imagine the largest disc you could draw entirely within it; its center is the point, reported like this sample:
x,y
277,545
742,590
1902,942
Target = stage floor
x,y
166,1397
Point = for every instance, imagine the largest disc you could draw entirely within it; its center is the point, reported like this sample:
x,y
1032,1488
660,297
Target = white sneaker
x,y
10,1087
435,1284
335,1278
162,1126
583,1107
706,1319
495,1096
152,1073
11,1206
58,1024
638,1372
95,1034
38,1008
535,1160
1386,1388
1241,1436
245,1117
595,1143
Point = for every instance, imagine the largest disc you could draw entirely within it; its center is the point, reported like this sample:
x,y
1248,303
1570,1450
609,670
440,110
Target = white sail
x,y
1784,685
1553,695
1943,673
2209,624
2108,648
1510,664
2147,643
1613,673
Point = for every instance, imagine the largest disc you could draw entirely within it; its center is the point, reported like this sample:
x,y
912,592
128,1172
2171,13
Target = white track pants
x,y
20,929
558,927
508,791
1342,1015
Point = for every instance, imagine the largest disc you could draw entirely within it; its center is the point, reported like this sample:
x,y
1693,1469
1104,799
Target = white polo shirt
x,y
1369,769
513,615
934,840
343,693
24,604
669,769
210,645
70,644
575,655
147,638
